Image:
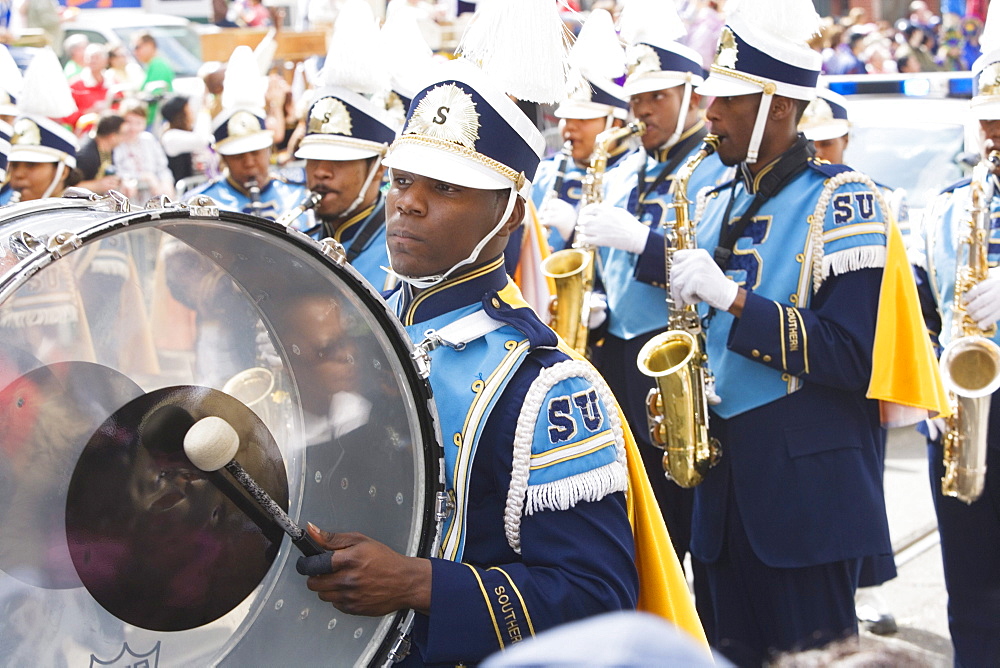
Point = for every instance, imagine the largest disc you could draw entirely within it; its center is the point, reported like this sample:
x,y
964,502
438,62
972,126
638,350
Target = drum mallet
x,y
211,444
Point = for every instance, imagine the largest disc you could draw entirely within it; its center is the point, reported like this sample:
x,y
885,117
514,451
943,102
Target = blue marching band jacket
x,y
635,284
535,467
801,442
363,238
276,197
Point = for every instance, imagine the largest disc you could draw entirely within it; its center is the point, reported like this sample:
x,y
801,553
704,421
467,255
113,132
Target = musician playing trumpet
x,y
970,532
346,137
243,142
628,229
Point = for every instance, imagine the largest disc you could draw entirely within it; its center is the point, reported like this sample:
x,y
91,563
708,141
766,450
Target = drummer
x,y
534,445
244,142
346,137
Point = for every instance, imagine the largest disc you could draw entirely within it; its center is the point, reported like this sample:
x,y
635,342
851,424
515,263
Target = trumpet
x,y
677,408
311,200
970,363
572,269
253,189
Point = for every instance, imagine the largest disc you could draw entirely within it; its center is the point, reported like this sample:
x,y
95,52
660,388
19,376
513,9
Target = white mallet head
x,y
211,443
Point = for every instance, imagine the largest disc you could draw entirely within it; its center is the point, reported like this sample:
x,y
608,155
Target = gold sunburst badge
x,y
727,54
989,80
817,113
642,59
242,123
447,112
329,116
26,133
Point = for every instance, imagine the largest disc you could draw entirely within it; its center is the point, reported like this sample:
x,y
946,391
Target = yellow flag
x,y
905,373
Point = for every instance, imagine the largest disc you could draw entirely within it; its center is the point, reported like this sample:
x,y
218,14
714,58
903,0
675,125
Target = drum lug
x,y
63,243
114,201
443,505
22,244
422,358
334,250
400,648
204,206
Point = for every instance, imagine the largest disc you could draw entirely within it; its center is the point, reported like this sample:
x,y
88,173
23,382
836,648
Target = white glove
x,y
598,309
610,226
982,301
694,277
710,395
559,215
935,427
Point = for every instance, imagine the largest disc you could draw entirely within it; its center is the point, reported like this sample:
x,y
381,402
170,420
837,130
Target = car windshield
x,y
179,45
920,157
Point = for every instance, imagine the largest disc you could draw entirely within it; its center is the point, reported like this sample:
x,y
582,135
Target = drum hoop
x,y
402,345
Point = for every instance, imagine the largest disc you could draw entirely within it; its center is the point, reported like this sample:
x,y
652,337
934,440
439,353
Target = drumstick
x,y
211,444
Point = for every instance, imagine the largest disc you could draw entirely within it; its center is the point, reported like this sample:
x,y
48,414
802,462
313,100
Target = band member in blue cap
x,y
244,142
796,262
534,446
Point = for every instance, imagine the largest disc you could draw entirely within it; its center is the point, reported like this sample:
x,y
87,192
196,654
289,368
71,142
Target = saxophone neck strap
x,y
680,152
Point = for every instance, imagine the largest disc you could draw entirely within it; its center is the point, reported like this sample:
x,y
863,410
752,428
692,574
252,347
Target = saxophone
x,y
677,408
572,269
253,190
970,363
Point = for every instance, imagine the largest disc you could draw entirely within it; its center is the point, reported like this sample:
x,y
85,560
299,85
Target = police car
x,y
910,131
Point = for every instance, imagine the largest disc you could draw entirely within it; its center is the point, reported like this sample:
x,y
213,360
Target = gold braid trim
x,y
442,144
768,87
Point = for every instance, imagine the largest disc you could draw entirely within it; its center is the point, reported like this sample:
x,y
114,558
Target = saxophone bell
x,y
677,407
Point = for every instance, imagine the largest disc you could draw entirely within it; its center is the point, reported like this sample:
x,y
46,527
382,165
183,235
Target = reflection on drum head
x,y
47,414
157,542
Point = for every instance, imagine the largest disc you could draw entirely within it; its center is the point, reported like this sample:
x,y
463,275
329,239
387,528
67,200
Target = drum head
x,y
131,326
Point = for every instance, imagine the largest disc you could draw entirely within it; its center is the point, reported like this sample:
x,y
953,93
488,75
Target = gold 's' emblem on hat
x,y
447,112
329,116
989,80
642,59
242,123
727,54
26,133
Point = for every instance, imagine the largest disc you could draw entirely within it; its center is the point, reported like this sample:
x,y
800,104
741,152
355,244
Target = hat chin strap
x,y
364,190
681,116
60,171
423,282
758,127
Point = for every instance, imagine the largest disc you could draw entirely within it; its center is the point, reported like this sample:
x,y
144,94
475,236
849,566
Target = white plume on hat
x,y
265,50
11,80
653,21
598,50
530,63
354,60
989,41
409,54
46,91
776,24
243,87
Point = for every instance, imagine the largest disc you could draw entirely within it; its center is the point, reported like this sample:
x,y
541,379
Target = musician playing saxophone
x,y
970,533
793,258
629,227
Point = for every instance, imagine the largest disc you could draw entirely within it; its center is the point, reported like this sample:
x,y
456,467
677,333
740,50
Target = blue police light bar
x,y
929,85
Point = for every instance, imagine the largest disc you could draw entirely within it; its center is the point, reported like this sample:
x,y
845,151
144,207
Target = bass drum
x,y
118,330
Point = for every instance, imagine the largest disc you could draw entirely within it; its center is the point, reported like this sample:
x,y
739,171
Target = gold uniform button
x,y
755,353
496,303
766,358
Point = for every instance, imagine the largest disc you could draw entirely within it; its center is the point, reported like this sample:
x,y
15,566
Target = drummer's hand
x,y
370,578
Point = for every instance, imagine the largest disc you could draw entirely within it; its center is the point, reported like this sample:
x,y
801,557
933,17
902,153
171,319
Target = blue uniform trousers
x,y
970,551
762,621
